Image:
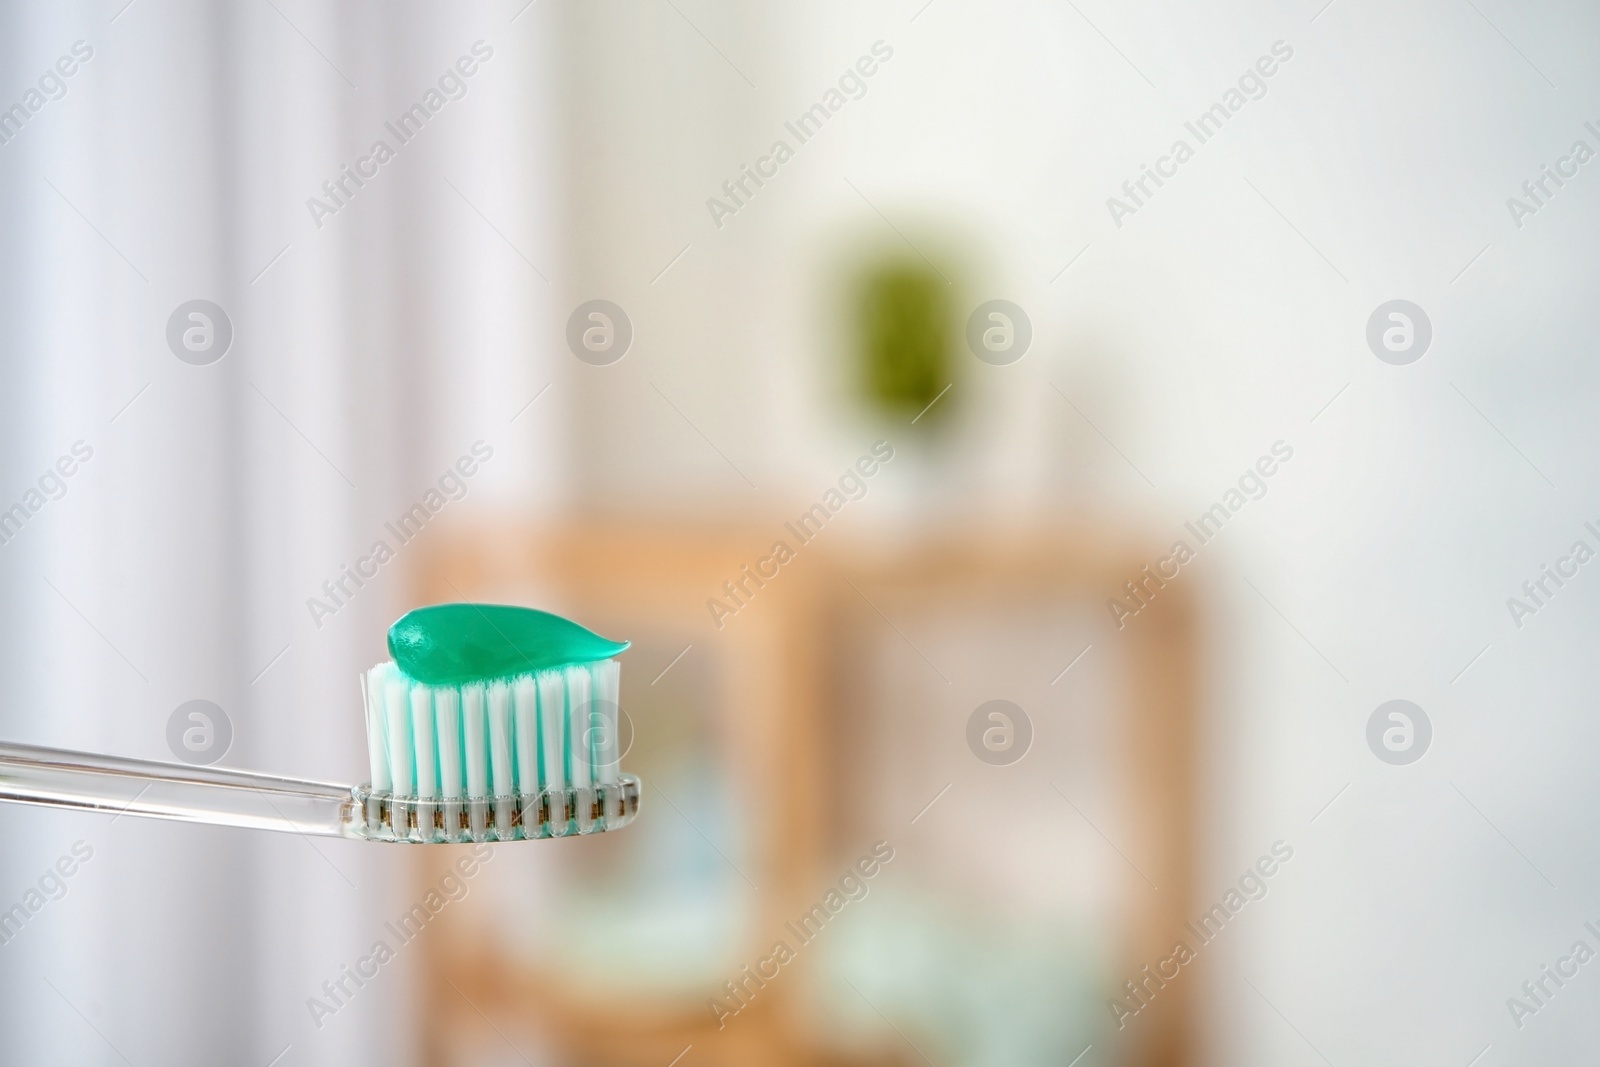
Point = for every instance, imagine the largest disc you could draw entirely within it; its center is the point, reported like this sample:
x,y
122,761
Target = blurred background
x,y
979,311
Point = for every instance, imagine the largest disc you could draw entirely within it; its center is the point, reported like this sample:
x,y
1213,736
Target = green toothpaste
x,y
455,644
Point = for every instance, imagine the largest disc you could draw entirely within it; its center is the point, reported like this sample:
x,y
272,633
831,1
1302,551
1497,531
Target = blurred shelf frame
x,y
778,663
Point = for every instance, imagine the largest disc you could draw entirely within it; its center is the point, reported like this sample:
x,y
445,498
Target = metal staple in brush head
x,y
561,813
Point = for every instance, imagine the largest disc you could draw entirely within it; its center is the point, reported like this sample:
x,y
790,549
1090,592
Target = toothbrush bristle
x,y
503,743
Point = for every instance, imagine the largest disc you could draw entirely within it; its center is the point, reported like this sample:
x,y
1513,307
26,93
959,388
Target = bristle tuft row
x,y
552,730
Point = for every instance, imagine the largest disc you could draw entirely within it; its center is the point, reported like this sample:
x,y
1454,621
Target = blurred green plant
x,y
905,331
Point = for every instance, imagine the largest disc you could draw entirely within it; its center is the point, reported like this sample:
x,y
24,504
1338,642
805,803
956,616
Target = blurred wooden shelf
x,y
774,681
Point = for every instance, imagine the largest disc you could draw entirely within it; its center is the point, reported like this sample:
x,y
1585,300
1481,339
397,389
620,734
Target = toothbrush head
x,y
493,723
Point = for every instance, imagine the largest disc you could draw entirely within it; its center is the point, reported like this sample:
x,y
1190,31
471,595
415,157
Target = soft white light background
x,y
1196,335
377,349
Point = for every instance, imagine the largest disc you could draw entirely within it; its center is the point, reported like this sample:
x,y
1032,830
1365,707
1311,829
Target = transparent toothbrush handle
x,y
89,782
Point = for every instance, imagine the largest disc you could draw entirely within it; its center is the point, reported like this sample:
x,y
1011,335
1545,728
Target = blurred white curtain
x,y
368,354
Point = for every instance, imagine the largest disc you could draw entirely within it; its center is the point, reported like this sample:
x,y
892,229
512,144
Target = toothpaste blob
x,y
454,644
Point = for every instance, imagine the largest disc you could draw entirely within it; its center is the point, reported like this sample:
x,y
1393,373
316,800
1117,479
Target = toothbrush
x,y
490,723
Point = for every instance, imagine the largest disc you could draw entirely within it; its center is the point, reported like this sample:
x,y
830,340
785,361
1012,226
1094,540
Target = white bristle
x,y
377,748
502,783
474,739
607,693
525,713
447,711
552,725
397,723
579,728
424,741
